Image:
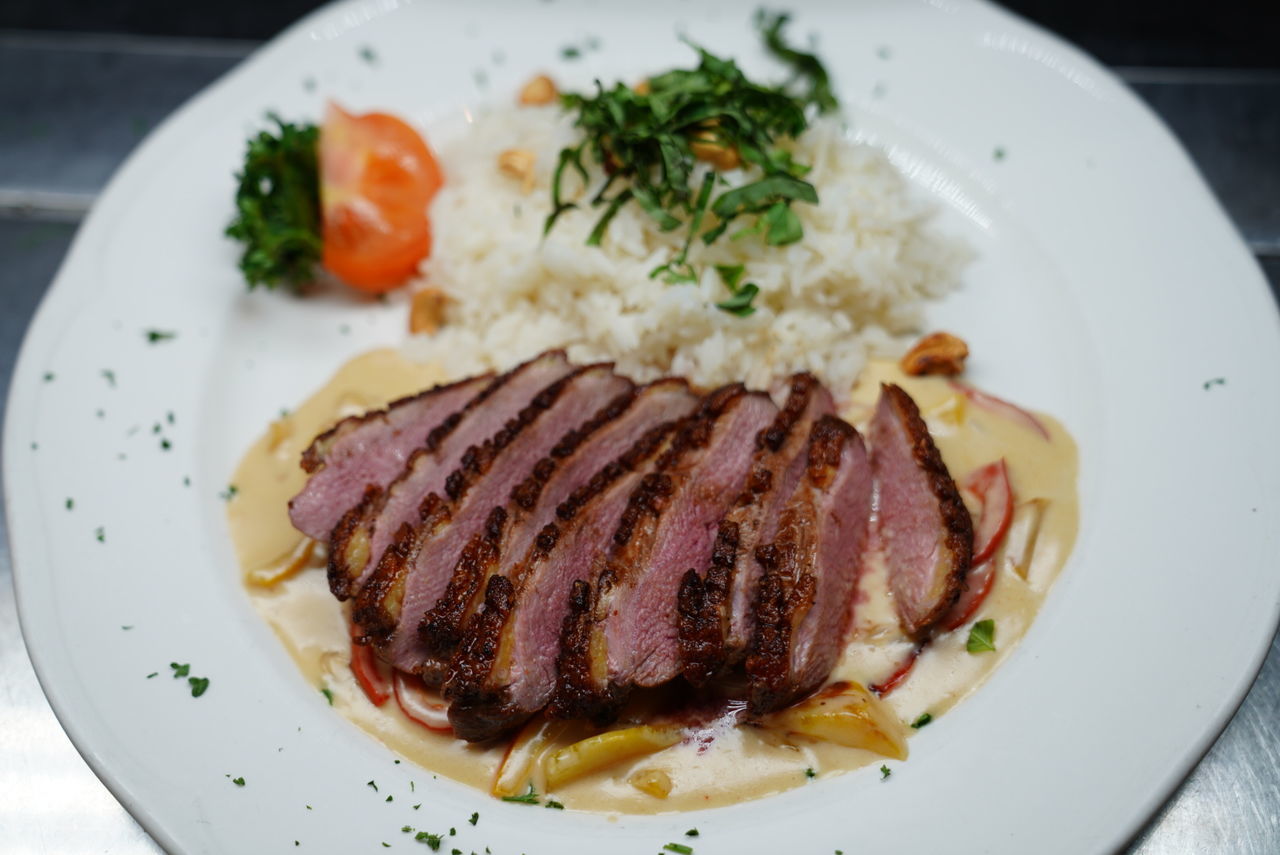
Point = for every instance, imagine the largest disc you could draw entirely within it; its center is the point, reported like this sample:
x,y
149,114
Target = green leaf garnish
x,y
679,848
647,145
920,722
199,685
528,798
982,637
180,670
432,840
278,206
740,303
805,66
885,772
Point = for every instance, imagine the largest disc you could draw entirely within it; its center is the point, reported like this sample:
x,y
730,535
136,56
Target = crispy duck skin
x,y
717,612
482,481
805,603
369,450
359,538
628,637
574,459
924,527
505,668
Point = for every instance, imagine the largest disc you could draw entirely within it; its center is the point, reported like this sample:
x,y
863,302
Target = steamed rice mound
x,y
848,290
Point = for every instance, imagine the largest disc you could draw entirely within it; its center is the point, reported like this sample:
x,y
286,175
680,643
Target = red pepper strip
x,y
420,703
1000,407
369,674
895,679
980,581
991,485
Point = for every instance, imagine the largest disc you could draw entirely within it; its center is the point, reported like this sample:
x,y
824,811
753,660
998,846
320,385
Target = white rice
x,y
849,290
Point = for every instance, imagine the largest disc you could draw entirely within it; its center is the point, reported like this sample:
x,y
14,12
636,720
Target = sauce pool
x,y
285,578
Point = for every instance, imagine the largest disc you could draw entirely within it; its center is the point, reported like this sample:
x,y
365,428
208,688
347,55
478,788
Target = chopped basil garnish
x,y
528,798
982,637
920,722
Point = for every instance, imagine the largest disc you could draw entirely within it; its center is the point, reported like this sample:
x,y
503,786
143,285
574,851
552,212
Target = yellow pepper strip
x,y
849,715
606,749
289,565
513,774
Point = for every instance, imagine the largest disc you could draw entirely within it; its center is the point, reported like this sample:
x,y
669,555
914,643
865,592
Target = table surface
x,y
73,106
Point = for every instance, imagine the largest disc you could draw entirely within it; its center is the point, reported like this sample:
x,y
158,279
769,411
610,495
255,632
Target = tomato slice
x,y
991,485
369,674
377,177
1000,407
420,703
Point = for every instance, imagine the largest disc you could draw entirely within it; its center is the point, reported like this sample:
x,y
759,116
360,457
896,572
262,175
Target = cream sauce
x,y
286,581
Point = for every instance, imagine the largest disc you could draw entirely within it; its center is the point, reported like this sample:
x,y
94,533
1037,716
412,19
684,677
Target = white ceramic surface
x,y
1110,289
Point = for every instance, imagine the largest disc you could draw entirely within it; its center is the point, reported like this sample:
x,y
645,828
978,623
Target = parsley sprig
x,y
647,144
278,206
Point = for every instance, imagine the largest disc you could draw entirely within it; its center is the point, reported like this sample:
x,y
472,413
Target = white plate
x,y
1110,290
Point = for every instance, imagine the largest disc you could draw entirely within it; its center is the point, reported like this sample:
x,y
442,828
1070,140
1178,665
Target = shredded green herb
x,y
923,719
679,848
328,695
239,782
553,804
432,840
809,773
278,206
982,637
199,685
475,817
693,832
647,144
885,772
527,798
180,671
157,336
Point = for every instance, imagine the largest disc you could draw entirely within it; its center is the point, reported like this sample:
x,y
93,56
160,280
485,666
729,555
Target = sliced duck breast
x,y
805,600
924,528
505,668
411,578
717,612
359,538
369,451
578,455
629,636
